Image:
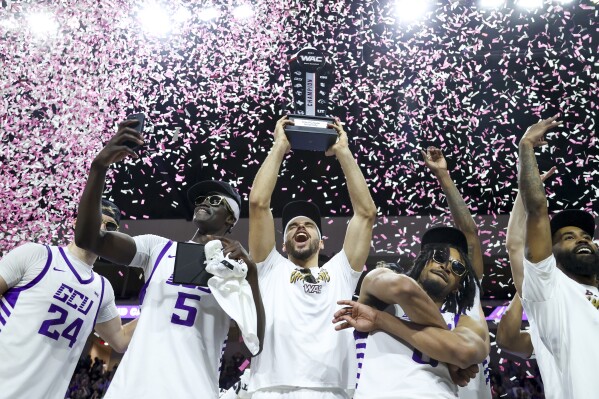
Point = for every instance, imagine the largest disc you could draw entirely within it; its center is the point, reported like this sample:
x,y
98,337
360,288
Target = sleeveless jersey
x,y
44,326
393,369
180,336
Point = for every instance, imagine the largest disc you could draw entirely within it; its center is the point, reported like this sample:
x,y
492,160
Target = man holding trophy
x,y
303,357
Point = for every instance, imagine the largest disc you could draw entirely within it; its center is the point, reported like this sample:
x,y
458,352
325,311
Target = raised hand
x,y
280,136
535,135
342,142
116,150
356,315
434,160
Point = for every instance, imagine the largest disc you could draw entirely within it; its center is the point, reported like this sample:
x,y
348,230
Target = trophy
x,y
311,81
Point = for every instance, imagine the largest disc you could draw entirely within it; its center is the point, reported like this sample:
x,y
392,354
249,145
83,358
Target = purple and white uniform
x,y
178,342
392,369
479,387
49,310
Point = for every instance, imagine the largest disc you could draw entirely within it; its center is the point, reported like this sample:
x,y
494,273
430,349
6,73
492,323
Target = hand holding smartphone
x,y
139,128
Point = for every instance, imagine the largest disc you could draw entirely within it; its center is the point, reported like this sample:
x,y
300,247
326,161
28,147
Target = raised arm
x,y
116,247
118,336
262,229
516,235
538,231
510,337
435,161
388,287
359,231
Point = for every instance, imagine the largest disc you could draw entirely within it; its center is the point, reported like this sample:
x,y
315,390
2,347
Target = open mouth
x,y
584,250
203,210
301,237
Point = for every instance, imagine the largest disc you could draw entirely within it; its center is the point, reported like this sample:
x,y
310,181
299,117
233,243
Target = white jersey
x,y
301,347
394,369
479,387
549,372
178,342
46,317
567,320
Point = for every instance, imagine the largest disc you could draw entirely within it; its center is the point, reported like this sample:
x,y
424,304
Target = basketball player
x,y
412,342
50,301
182,329
303,356
525,344
561,262
479,387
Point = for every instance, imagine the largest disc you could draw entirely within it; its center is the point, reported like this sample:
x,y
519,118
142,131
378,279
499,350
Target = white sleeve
x,y
475,311
540,280
340,264
266,266
145,245
23,264
108,310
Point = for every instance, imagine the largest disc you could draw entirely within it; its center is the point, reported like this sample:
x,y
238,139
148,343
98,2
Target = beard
x,y
581,265
302,254
434,289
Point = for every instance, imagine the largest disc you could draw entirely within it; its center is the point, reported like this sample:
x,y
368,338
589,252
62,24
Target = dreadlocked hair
x,y
463,299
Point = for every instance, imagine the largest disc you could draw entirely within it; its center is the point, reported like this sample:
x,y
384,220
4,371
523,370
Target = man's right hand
x,y
355,315
280,136
535,135
115,150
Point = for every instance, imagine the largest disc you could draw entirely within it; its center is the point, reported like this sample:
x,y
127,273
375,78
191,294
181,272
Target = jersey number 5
x,y
70,332
189,317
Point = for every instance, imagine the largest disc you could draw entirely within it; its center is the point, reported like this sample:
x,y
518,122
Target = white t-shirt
x,y
567,320
549,372
301,347
178,342
394,369
53,301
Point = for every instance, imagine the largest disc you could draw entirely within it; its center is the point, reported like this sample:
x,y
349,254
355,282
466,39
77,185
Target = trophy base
x,y
310,133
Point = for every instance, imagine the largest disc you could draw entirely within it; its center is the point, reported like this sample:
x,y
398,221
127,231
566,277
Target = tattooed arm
x,y
538,231
434,160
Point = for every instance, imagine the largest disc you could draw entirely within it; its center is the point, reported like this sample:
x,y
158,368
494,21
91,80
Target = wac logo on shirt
x,y
592,298
311,285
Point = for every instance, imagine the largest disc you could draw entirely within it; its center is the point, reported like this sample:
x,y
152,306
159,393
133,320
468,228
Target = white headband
x,y
233,204
300,216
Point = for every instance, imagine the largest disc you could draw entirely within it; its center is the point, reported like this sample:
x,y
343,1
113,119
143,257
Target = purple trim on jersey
x,y
142,292
360,335
12,294
61,250
203,289
456,318
222,353
6,312
99,304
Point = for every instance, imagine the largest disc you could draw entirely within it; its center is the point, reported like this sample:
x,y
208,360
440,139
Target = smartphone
x,y
139,128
